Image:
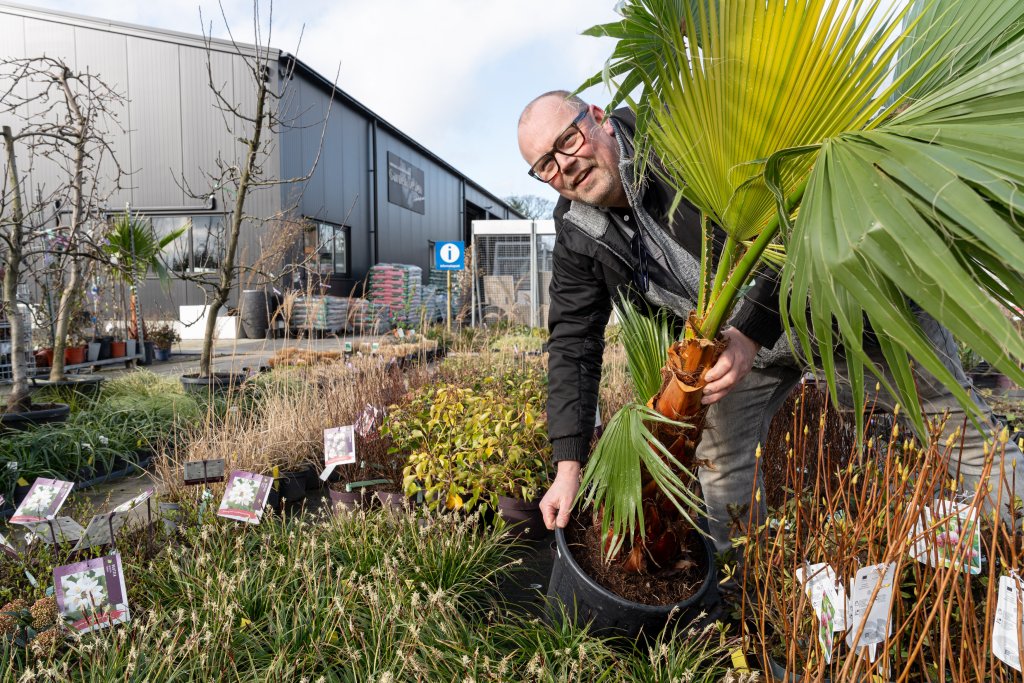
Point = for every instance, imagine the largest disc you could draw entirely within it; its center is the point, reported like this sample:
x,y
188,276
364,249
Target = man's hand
x,y
556,504
732,366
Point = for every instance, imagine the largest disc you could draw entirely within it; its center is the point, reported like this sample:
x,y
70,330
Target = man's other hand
x,y
732,366
556,504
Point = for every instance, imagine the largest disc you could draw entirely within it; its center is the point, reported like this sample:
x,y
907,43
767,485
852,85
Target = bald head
x,y
560,99
589,173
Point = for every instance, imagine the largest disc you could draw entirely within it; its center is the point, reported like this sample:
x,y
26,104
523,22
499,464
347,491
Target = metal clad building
x,y
376,195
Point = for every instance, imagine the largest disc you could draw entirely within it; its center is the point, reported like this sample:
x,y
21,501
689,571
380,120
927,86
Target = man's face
x,y
591,175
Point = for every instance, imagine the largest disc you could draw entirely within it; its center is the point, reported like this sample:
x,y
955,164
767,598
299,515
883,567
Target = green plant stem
x,y
724,298
725,264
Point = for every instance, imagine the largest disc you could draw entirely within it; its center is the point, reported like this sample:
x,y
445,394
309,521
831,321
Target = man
x,y
616,238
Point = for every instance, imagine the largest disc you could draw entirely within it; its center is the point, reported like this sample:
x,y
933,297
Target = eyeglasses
x,y
568,143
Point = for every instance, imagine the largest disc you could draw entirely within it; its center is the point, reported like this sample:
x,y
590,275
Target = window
x,y
199,249
327,248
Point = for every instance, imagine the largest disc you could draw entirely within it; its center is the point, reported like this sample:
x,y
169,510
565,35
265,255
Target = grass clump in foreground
x,y
363,596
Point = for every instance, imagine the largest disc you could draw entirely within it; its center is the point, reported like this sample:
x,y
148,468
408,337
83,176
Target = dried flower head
x,y
48,642
44,613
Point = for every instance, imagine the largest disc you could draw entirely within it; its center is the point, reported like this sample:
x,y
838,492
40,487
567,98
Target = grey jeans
x,y
739,422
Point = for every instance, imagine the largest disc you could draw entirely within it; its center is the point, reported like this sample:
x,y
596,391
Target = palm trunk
x,y
682,387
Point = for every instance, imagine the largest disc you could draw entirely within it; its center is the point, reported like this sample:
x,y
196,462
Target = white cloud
x,y
452,74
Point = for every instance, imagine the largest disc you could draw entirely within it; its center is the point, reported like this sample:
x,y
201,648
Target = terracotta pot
x,y
73,355
118,349
44,358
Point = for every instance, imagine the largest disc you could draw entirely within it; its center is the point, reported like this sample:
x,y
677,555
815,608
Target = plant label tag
x,y
820,581
870,605
101,530
204,471
43,501
7,548
375,347
245,497
826,627
129,505
1007,628
958,536
57,530
948,537
348,347
339,448
400,333
169,514
91,595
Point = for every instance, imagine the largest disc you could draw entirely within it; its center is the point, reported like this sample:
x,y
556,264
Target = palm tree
x,y
875,154
135,249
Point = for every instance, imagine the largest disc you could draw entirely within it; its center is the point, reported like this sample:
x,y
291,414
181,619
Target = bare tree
x,y
67,118
236,177
531,206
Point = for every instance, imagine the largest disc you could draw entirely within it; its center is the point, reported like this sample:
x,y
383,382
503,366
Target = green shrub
x,y
466,447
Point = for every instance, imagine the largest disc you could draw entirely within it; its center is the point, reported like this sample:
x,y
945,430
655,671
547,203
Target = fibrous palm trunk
x,y
679,399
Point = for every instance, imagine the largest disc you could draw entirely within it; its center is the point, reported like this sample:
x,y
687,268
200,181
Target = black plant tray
x,y
144,461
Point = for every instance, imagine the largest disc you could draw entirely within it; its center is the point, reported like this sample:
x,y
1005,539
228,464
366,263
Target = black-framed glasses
x,y
568,142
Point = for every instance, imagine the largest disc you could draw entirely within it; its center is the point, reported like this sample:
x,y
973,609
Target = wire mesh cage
x,y
512,271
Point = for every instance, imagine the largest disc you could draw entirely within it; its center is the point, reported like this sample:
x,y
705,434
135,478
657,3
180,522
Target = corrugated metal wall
x,y
172,130
174,134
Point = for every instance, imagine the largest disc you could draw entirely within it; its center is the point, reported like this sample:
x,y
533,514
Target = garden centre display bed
x,y
664,588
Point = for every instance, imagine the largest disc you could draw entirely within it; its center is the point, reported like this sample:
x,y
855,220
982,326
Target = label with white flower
x,y
245,496
43,501
91,595
339,448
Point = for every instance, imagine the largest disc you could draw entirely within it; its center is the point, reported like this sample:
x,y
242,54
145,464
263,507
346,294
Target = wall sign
x,y
405,184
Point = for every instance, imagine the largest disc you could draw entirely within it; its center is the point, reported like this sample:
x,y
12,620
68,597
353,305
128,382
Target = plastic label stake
x,y
866,616
1006,631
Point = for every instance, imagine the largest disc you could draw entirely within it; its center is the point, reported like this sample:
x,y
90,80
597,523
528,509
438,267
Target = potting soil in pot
x,y
660,587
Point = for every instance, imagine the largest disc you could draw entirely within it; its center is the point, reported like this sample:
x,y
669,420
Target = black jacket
x,y
588,274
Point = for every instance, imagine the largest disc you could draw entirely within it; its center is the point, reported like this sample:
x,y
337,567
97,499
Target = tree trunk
x,y
227,266
19,399
69,294
65,309
678,399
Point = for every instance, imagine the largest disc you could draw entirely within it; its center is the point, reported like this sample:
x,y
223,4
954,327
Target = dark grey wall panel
x,y
155,119
406,235
104,54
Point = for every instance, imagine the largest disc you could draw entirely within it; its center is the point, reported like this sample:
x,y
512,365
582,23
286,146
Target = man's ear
x,y
601,118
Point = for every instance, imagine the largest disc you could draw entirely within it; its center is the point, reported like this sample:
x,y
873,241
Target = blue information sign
x,y
450,255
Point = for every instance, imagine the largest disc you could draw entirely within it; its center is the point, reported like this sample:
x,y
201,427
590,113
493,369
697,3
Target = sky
x,y
452,74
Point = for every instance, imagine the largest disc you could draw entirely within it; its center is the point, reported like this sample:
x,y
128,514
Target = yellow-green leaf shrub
x,y
467,446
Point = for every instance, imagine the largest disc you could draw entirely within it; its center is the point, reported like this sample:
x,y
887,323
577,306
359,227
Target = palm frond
x,y
925,207
646,339
947,38
612,479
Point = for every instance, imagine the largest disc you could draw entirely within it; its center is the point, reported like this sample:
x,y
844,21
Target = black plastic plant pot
x,y
216,383
41,413
313,481
523,517
293,486
85,386
586,602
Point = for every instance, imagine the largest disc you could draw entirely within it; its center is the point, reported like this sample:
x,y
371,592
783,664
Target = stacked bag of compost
x,y
399,287
321,313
